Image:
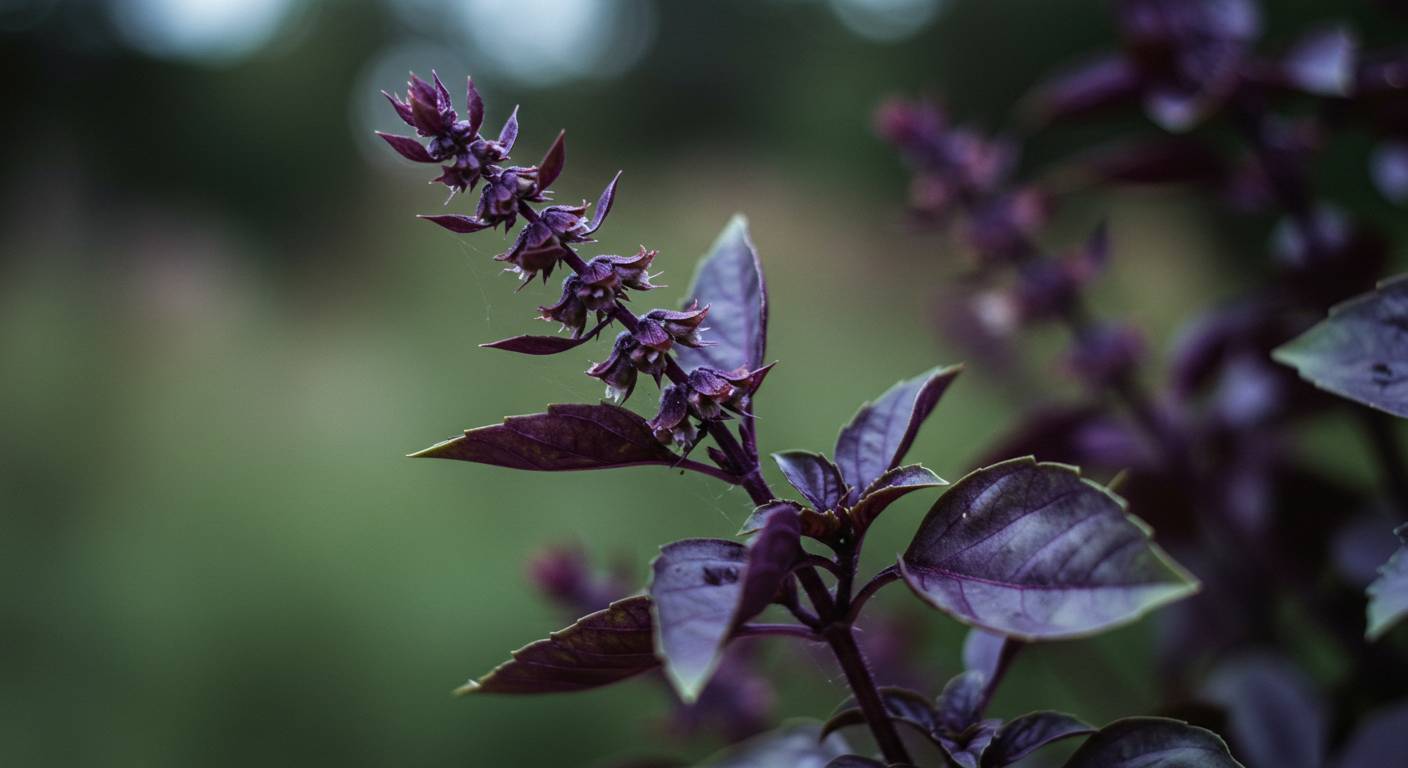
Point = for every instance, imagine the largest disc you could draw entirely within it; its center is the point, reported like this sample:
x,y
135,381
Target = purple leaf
x,y
814,476
1380,740
704,588
473,106
1036,552
456,222
881,432
408,148
796,745
538,345
1323,63
966,749
1024,735
603,205
854,761
889,487
509,133
1360,351
556,157
1274,716
960,700
1152,742
609,645
1388,595
567,437
729,280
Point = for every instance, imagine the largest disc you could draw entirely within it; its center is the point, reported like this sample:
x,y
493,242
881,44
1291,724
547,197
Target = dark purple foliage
x,y
1388,595
1035,551
1274,715
1152,742
601,648
880,434
1026,734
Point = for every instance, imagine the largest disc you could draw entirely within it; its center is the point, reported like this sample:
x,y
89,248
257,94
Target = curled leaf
x,y
1036,552
601,648
888,488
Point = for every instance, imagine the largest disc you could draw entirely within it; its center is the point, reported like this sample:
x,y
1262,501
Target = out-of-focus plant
x,y
1021,551
1208,453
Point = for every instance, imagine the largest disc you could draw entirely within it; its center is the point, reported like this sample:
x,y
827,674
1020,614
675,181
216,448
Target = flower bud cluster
x,y
708,395
647,348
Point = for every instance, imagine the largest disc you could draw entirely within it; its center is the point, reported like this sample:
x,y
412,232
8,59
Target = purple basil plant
x,y
1204,447
1020,550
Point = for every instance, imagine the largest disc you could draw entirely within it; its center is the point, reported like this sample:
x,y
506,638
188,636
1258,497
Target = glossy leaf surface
x,y
1023,735
1152,742
814,476
729,281
1034,551
604,647
881,432
566,437
1360,351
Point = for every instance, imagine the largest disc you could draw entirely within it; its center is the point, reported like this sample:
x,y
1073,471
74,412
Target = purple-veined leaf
x,y
1024,735
407,147
814,476
567,437
729,281
1274,717
1361,350
888,488
960,700
1388,595
1380,740
795,745
881,432
965,749
1323,63
509,133
904,706
983,651
602,648
456,222
817,525
1152,742
473,106
703,588
1036,552
551,166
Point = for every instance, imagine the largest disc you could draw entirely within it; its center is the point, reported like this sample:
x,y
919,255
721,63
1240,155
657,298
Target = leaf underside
x,y
1034,551
729,280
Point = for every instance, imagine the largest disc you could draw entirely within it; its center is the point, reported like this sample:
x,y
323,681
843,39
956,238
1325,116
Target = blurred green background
x,y
221,329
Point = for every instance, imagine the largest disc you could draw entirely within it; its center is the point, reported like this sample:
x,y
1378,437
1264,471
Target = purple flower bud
x,y
672,423
498,203
651,351
569,310
540,245
712,391
600,285
682,326
633,271
617,371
